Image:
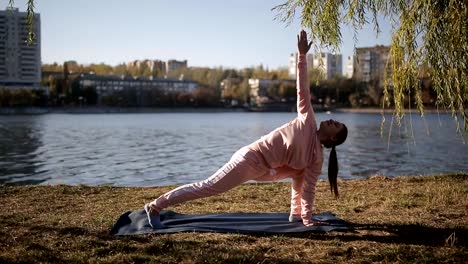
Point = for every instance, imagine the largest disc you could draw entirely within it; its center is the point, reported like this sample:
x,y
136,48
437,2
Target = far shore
x,y
375,110
111,110
117,110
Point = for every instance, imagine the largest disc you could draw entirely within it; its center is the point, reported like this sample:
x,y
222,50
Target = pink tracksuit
x,y
292,150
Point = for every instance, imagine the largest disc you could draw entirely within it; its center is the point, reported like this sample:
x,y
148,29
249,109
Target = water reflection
x,y
162,149
405,150
20,140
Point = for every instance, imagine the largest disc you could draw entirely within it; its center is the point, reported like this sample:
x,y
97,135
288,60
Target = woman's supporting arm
x,y
296,195
308,193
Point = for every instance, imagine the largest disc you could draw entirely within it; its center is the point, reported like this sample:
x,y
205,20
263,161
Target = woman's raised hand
x,y
303,45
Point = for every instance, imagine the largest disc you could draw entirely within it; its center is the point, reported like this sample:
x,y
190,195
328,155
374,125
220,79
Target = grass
x,y
402,220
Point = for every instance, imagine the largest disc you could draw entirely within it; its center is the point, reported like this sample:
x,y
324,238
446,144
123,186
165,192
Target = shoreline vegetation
x,y
134,110
399,220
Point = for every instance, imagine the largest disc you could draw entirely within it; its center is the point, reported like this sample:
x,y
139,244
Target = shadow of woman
x,y
408,234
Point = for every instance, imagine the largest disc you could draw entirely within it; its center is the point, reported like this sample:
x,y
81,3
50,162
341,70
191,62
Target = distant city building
x,y
157,66
349,67
370,64
259,89
71,64
132,63
109,85
20,63
330,64
163,67
173,65
139,63
227,86
292,66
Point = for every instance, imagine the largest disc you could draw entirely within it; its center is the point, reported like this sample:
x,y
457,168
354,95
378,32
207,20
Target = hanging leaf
x,y
430,33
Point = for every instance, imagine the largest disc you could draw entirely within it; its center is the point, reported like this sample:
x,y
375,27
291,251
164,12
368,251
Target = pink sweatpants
x,y
244,165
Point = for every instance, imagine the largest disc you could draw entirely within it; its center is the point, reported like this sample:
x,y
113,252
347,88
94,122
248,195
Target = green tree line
x,y
62,82
21,98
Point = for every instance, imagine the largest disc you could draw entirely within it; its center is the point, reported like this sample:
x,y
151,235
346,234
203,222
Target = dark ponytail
x,y
333,160
333,171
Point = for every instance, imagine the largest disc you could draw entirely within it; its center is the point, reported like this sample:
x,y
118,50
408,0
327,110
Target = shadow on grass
x,y
100,245
53,244
414,234
71,231
399,234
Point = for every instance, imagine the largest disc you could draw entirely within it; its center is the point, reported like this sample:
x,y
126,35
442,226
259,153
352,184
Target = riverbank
x,y
133,110
403,219
112,110
377,110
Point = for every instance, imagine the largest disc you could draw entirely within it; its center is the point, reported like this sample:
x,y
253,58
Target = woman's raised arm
x,y
304,105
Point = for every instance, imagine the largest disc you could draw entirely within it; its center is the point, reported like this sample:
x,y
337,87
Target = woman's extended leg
x,y
243,166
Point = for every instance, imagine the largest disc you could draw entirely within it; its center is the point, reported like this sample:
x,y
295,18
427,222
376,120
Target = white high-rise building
x,y
20,63
330,64
349,67
292,70
370,64
172,65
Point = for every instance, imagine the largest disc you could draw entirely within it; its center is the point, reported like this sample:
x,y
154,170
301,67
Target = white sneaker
x,y
294,218
153,219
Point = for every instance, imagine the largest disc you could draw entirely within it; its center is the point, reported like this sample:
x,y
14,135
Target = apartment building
x,y
20,63
330,64
370,64
164,67
227,86
259,89
157,66
292,66
173,65
349,70
115,83
109,85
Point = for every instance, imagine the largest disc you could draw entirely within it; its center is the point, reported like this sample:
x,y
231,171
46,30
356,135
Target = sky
x,y
206,33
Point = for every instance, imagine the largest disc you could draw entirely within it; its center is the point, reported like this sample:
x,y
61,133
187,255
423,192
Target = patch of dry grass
x,y
405,219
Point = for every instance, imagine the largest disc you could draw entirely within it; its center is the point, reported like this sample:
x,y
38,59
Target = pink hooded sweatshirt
x,y
294,150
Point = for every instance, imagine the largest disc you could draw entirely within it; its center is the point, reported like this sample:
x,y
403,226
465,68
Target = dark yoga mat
x,y
136,222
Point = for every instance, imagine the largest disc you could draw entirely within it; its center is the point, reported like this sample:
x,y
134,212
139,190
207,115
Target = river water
x,y
175,148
